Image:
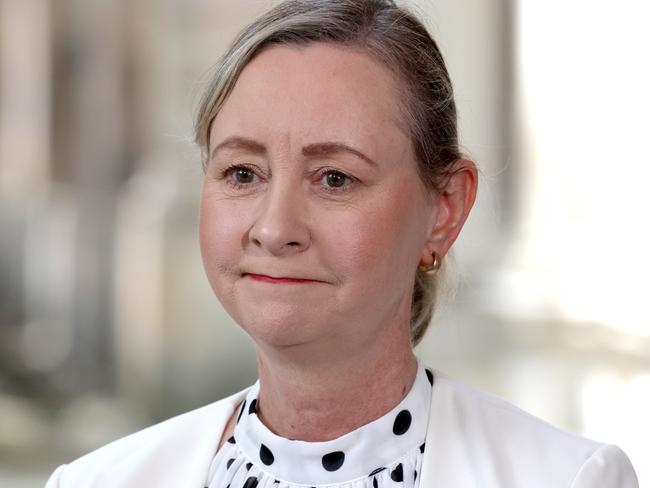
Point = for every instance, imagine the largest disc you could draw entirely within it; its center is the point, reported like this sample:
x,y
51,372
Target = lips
x,y
272,279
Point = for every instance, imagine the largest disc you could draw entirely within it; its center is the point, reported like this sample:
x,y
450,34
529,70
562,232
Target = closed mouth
x,y
273,279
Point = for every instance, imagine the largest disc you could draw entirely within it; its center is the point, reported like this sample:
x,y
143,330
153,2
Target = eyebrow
x,y
311,150
236,142
331,148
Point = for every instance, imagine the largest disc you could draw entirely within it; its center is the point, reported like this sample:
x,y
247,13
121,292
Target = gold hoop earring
x,y
431,270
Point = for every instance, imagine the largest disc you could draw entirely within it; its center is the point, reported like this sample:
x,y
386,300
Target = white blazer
x,y
474,440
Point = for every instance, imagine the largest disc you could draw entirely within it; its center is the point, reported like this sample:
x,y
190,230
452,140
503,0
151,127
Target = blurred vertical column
x,y
36,251
156,252
25,91
581,107
90,160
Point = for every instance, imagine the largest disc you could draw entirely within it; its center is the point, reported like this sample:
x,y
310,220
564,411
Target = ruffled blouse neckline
x,y
365,451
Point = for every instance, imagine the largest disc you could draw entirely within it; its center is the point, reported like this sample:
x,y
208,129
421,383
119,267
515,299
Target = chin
x,y
280,329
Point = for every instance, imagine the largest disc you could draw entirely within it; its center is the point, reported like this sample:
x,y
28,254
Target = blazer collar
x,y
182,454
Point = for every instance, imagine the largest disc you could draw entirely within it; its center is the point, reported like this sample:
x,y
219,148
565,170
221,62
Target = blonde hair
x,y
394,37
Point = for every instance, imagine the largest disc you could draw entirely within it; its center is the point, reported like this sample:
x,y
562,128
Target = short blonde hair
x,y
389,34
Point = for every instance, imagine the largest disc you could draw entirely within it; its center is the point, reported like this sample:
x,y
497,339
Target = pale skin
x,y
312,177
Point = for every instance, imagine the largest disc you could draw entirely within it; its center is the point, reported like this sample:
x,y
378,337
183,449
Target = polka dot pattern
x,y
387,452
397,474
266,455
402,422
251,483
333,460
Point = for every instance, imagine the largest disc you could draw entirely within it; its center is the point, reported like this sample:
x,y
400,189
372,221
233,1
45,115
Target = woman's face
x,y
313,216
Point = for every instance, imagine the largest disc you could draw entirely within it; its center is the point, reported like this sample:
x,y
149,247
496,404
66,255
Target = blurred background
x,y
107,323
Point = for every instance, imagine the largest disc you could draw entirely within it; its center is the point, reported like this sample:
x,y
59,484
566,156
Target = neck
x,y
318,397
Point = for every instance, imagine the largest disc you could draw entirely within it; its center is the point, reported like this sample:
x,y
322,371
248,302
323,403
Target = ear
x,y
452,206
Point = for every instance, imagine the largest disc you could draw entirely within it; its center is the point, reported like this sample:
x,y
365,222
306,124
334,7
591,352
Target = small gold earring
x,y
430,270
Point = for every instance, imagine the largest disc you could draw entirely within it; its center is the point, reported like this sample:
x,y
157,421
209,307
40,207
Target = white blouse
x,y
384,453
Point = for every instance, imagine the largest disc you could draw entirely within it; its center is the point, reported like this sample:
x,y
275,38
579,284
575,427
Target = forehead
x,y
312,93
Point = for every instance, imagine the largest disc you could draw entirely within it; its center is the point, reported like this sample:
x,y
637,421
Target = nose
x,y
281,227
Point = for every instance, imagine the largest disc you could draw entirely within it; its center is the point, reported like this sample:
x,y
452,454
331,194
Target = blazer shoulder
x,y
194,433
507,445
608,467
490,411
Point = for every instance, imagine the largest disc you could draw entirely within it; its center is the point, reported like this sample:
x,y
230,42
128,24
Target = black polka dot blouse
x,y
385,453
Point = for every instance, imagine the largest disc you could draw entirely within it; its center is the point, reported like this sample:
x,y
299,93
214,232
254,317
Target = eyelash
x,y
228,172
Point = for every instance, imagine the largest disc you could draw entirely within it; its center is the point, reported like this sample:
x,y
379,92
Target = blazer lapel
x,y
446,460
181,454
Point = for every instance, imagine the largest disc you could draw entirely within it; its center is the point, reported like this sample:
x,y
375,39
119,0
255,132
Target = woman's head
x,y
383,65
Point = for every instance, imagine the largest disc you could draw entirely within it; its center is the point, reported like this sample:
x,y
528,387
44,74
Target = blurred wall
x,y
107,323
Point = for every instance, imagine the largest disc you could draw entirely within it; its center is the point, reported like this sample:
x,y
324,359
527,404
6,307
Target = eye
x,y
239,176
335,180
243,175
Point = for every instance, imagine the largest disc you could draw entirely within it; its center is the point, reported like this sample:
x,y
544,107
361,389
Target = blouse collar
x,y
353,455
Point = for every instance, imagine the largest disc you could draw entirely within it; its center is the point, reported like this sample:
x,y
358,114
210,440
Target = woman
x,y
334,188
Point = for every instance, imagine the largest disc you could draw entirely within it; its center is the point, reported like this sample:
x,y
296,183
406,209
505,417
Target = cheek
x,y
220,234
381,241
